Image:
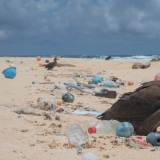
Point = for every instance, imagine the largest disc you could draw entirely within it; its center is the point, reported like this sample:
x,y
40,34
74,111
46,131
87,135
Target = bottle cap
x,y
59,102
92,129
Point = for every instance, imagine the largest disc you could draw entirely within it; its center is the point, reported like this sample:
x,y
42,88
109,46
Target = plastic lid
x,y
92,129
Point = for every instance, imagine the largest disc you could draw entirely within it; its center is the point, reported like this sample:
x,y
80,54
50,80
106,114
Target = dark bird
x,y
51,65
108,58
141,108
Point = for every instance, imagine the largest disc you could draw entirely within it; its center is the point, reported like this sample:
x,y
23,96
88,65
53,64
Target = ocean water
x,y
116,57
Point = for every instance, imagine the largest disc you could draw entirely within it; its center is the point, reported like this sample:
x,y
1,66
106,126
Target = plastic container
x,y
157,77
101,127
10,72
38,58
111,84
105,93
41,64
124,129
153,138
12,65
85,84
76,135
48,103
89,87
68,97
97,79
58,93
71,84
35,82
89,156
59,86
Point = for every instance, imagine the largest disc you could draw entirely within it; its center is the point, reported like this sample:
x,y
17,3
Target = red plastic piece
x,y
142,143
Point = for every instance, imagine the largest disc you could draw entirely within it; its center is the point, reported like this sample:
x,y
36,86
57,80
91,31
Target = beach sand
x,y
32,137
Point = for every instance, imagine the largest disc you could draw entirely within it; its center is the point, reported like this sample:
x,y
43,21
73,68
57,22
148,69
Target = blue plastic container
x,y
153,138
111,84
97,79
9,72
124,129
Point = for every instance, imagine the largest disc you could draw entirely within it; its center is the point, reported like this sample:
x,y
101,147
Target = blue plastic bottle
x,y
124,129
153,138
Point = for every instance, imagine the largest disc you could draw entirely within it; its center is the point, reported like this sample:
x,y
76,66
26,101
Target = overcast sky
x,y
79,27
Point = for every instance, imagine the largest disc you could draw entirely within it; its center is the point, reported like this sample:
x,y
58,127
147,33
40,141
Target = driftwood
x,y
64,65
139,65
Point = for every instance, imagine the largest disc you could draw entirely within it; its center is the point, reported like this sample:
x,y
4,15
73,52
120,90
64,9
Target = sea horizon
x,y
118,57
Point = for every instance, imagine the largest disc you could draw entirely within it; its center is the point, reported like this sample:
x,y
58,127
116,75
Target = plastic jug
x,y
101,127
153,138
76,135
124,129
105,93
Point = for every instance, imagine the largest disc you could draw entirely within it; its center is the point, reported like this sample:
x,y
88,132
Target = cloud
x,y
53,21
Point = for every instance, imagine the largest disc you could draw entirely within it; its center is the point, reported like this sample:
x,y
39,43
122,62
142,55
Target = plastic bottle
x,y
76,135
58,93
59,86
47,103
101,127
105,93
153,138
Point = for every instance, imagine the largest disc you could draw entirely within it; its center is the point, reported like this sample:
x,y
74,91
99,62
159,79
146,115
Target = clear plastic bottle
x,y
76,135
58,93
101,127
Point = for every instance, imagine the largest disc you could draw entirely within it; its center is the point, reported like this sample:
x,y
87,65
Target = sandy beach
x,y
32,137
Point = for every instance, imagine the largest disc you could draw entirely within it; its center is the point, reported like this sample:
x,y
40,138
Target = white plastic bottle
x,y
76,135
101,127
